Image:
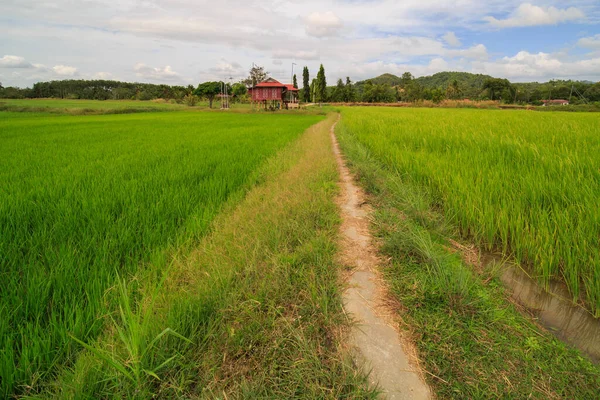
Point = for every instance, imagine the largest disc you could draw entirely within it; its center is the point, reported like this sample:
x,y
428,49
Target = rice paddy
x,y
525,183
86,198
193,254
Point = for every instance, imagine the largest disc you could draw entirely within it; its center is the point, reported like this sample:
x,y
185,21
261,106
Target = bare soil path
x,y
375,341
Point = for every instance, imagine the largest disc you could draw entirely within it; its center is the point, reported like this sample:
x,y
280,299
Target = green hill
x,y
443,79
386,79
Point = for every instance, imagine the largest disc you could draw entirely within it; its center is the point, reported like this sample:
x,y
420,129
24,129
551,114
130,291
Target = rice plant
x,y
83,198
523,182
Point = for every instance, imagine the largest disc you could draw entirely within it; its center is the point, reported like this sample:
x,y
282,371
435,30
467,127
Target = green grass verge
x,y
253,311
469,336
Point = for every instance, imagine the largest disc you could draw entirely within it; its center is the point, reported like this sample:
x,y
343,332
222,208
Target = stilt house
x,y
272,94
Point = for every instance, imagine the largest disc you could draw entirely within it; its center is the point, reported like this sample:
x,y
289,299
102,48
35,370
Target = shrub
x,y
191,100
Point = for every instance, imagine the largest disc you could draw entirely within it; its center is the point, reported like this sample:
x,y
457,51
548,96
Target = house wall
x,y
259,94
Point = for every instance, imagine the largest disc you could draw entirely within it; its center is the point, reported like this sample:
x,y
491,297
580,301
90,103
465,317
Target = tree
x,y
209,90
380,93
436,95
593,92
257,75
350,94
295,82
1,87
306,89
191,100
313,90
321,85
339,92
453,91
406,79
496,87
239,90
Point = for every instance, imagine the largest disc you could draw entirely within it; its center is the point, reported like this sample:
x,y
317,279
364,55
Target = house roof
x,y
291,88
270,83
556,101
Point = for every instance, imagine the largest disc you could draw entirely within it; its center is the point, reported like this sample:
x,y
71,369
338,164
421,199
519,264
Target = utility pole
x,y
292,80
571,95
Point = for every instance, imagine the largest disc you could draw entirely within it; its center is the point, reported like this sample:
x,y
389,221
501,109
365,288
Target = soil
x,y
377,344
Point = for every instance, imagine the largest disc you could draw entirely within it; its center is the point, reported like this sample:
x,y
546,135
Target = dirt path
x,y
376,342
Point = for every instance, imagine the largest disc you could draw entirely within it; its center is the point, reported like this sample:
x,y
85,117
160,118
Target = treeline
x,y
464,85
386,88
97,90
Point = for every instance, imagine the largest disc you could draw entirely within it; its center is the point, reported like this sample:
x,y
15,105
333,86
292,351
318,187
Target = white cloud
x,y
64,70
539,66
592,42
297,55
322,25
350,37
477,52
225,69
451,39
103,75
161,74
14,62
529,15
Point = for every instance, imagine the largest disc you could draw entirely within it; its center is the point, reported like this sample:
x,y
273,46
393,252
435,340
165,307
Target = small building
x,y
273,94
557,102
292,97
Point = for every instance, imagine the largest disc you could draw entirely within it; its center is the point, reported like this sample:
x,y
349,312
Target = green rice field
x,y
194,254
522,182
92,105
86,198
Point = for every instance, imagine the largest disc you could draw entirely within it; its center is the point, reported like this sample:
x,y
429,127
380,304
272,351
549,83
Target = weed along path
x,y
376,343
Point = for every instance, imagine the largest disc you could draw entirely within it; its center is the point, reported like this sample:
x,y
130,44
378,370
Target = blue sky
x,y
188,41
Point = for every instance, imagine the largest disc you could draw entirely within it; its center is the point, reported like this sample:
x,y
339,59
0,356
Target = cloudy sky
x,y
189,41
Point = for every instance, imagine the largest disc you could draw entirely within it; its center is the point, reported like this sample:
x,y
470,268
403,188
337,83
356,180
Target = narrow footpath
x,y
376,343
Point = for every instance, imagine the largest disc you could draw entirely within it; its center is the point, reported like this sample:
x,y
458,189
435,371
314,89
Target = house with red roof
x,y
274,94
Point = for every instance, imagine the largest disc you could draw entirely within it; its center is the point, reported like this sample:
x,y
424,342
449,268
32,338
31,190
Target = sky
x,y
190,41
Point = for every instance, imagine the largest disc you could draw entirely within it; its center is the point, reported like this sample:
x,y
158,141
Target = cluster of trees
x,y
98,90
463,85
316,90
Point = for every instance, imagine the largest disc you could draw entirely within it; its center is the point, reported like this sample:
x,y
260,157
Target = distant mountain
x,y
385,79
443,79
470,84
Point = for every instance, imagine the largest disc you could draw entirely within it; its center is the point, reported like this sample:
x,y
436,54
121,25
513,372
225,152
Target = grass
x,y
471,339
525,183
85,198
257,301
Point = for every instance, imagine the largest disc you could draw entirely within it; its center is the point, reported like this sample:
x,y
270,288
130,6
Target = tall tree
x,y
306,92
209,90
406,79
295,82
256,75
321,85
350,94
338,95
